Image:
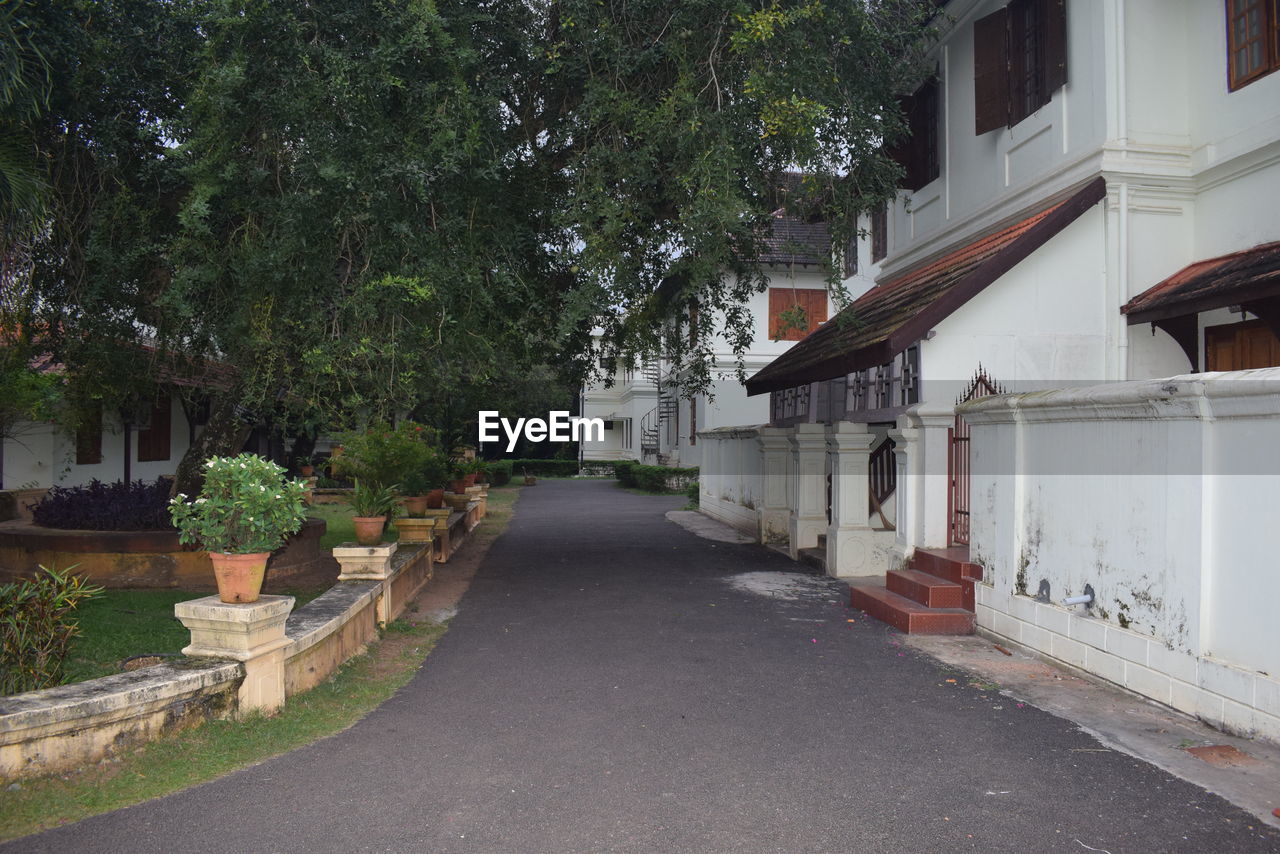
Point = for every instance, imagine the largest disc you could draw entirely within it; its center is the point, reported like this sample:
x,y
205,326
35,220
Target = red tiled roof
x,y
1241,277
895,314
792,240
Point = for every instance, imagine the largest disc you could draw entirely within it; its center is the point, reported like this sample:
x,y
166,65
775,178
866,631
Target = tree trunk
x,y
225,434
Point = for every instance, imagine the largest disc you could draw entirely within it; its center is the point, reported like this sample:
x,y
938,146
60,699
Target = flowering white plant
x,y
245,506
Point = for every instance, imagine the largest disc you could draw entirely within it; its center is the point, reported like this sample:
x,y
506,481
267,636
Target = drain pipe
x,y
1085,598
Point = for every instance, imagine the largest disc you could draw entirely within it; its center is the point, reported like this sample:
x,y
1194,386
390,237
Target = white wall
x,y
44,455
731,481
1160,496
1042,323
985,178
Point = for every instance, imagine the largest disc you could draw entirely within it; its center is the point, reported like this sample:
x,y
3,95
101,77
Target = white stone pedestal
x,y
251,633
364,563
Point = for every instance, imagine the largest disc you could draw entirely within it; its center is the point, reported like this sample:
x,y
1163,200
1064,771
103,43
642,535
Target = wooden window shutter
x,y
1055,45
812,300
991,72
901,152
153,442
815,309
89,439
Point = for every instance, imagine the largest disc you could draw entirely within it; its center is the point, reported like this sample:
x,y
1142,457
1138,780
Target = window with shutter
x,y
918,154
1020,60
89,439
153,442
879,233
1253,40
991,72
795,312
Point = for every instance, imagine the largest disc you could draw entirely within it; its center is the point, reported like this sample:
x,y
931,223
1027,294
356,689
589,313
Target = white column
x,y
809,517
932,525
851,542
906,455
775,514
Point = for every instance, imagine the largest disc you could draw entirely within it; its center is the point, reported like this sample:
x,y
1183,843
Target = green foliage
x,y
369,500
245,506
431,473
692,492
381,456
26,393
36,628
364,208
657,479
499,472
545,468
624,471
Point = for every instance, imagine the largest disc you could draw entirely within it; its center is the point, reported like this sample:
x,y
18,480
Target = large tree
x,y
358,204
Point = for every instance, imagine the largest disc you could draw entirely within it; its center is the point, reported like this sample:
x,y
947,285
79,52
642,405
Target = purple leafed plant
x,y
98,506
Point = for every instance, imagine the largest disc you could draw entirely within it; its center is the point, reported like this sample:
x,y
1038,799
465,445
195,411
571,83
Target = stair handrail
x,y
882,479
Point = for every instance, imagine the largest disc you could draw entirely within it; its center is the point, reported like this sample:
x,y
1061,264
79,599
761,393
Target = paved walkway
x,y
613,683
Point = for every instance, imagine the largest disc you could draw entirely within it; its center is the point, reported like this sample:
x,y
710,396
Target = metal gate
x,y
958,460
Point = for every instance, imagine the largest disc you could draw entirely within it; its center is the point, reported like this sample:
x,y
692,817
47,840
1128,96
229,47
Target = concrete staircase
x,y
934,596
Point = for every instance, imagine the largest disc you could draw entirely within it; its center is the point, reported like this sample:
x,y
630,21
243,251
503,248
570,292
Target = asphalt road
x,y
613,683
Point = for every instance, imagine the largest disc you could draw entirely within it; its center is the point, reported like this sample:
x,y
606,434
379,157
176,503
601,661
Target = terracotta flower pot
x,y
470,479
369,529
239,576
458,487
306,471
414,505
435,499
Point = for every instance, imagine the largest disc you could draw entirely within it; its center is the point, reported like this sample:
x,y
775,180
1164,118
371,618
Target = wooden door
x,y
1241,346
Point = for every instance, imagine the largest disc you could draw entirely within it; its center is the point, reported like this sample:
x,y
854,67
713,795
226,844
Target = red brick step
x,y
906,615
928,590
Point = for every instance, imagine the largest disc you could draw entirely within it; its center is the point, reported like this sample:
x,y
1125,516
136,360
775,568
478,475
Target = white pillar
x,y
775,514
809,517
906,455
853,547
368,563
932,526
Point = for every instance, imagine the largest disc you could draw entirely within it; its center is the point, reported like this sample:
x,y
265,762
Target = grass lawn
x,y
122,623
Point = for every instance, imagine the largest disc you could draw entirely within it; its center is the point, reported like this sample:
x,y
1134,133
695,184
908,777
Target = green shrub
x,y
381,456
691,491
545,468
36,628
625,472
245,506
499,472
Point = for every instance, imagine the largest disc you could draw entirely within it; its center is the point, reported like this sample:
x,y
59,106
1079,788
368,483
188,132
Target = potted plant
x,y
246,510
458,477
423,486
479,471
305,466
371,506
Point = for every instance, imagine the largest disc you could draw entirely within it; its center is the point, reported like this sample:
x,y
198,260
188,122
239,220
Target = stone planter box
x,y
151,559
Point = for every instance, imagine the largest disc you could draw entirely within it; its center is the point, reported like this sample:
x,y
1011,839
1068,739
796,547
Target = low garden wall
x,y
60,728
152,559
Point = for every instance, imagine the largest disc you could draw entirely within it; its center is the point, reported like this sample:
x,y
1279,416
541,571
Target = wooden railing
x,y
883,478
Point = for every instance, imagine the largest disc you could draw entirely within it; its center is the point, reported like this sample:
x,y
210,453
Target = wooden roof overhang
x,y
1249,279
892,316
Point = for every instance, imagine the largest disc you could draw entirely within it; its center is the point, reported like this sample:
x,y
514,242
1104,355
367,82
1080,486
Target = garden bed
x,y
149,559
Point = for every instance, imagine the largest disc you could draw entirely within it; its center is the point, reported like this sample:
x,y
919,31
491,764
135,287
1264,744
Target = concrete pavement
x,y
615,683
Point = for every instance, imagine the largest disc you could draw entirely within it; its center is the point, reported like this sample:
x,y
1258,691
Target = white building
x,y
647,419
1090,200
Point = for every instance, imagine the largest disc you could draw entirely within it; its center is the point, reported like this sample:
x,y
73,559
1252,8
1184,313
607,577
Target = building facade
x,y
1088,200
